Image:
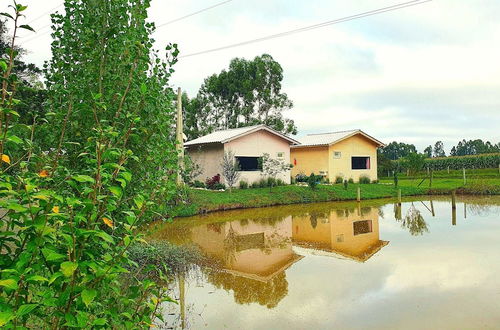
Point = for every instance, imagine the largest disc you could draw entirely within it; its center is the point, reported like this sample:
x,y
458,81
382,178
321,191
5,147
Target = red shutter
x,y
367,163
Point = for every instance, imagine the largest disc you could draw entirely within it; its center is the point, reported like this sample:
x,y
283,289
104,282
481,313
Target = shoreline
x,y
206,201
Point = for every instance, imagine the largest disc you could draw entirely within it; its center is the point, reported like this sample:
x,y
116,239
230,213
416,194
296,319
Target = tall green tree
x,y
246,94
396,150
428,151
439,149
75,191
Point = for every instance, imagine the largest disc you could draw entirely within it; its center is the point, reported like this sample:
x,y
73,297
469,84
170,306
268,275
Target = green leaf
x,y
126,175
97,96
52,255
88,296
83,178
9,283
54,277
26,27
15,139
139,201
25,309
105,237
117,191
68,268
3,65
36,278
21,8
5,317
16,207
144,88
100,321
7,15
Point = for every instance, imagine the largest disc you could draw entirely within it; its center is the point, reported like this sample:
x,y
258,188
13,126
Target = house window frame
x,y
362,169
259,163
337,154
280,154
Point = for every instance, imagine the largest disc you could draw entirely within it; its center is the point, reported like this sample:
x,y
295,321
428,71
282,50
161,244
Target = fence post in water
x,y
430,180
453,200
359,195
399,196
465,210
465,180
432,209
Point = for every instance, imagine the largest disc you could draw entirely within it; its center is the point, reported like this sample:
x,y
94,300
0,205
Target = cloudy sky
x,y
417,75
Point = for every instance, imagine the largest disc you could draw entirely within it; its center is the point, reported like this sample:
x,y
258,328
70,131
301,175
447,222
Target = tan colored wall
x,y
337,233
309,160
208,156
255,145
356,145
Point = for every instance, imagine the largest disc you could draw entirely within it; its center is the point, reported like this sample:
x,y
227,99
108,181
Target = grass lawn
x,y
207,201
202,201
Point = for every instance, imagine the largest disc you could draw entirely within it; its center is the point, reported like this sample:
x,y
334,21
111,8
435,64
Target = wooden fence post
x,y
453,200
359,195
399,196
465,179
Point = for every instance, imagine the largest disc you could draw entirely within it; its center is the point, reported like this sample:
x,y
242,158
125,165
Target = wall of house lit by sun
x,y
349,158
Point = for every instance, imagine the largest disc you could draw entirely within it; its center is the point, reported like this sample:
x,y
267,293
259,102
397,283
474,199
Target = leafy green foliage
x,y
364,179
248,93
473,161
75,190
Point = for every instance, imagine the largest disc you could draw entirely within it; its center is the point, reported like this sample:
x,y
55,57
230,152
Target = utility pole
x,y
179,135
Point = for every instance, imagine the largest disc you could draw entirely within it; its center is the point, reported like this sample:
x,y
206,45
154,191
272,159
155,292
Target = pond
x,y
374,265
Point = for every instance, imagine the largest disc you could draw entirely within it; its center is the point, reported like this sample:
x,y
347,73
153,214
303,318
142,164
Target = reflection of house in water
x,y
254,249
351,233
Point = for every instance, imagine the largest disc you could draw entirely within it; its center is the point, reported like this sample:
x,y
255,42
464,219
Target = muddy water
x,y
376,265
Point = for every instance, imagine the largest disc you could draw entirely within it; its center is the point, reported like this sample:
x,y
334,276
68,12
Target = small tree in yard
x,y
230,169
271,167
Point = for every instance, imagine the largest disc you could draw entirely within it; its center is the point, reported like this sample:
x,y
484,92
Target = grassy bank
x,y
203,201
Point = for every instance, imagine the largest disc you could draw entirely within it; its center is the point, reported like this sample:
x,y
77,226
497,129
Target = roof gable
x,y
234,133
327,139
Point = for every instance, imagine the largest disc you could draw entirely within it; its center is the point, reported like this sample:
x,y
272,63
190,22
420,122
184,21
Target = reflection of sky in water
x,y
446,278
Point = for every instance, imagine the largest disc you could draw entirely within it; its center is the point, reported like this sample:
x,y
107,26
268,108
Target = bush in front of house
x,y
243,184
280,182
314,180
375,181
339,179
301,178
219,186
255,184
262,183
351,180
364,179
198,184
211,182
271,182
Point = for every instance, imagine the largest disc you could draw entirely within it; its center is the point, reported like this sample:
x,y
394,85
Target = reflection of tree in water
x,y
247,291
414,222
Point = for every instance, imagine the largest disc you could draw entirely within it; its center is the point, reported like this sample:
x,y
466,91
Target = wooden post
x,y
359,195
498,168
453,200
465,179
454,217
399,196
182,300
430,180
432,209
448,170
179,135
465,210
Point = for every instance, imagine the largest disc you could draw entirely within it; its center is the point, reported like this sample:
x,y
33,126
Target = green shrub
x,y
255,184
271,182
198,184
345,184
262,183
243,184
301,178
159,253
280,182
375,181
351,180
364,179
339,179
459,162
313,180
218,186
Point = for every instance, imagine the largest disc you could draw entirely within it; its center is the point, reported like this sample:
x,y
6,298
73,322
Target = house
x,y
347,154
247,143
347,233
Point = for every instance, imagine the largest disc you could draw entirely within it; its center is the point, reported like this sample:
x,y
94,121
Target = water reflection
x,y
349,232
268,262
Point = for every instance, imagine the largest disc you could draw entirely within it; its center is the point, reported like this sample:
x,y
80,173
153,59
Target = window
x,y
281,154
250,163
362,227
337,154
360,163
